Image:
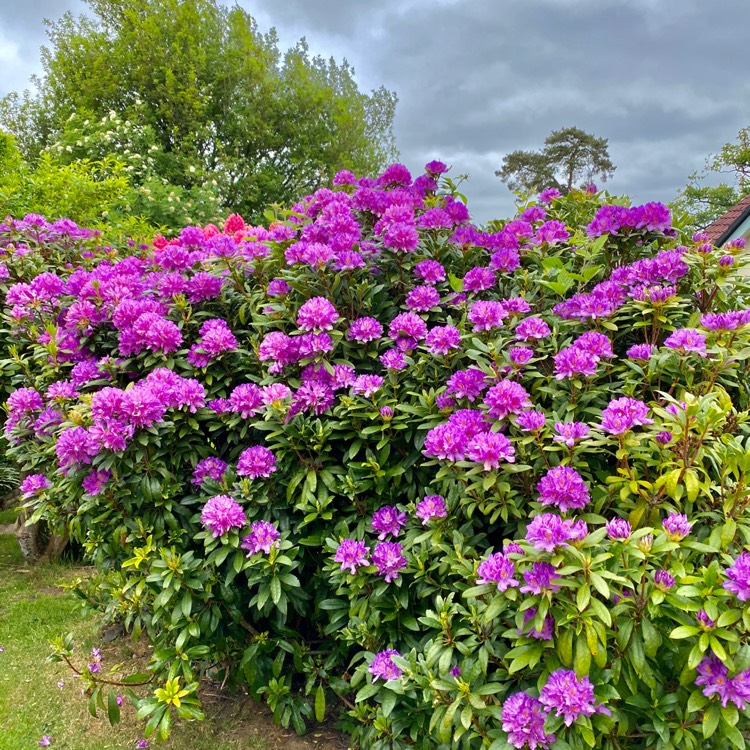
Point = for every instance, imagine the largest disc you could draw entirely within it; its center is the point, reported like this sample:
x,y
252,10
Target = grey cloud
x,y
479,78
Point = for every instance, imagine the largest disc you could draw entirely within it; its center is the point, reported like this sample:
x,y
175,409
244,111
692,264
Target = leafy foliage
x,y
570,158
702,199
442,483
221,101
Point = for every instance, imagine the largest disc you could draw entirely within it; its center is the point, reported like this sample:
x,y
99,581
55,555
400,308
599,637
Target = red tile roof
x,y
728,221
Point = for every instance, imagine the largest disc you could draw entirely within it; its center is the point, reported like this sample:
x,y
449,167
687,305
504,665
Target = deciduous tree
x,y
223,102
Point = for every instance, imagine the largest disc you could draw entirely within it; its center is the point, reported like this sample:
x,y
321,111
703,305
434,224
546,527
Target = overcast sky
x,y
664,80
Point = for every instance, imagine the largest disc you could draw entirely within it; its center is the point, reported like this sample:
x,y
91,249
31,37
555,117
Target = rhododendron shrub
x,y
487,486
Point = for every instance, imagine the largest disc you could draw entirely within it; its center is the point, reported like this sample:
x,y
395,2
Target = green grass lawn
x,y
34,608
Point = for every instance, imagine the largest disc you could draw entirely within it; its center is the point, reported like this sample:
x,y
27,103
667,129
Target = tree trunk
x,y
37,543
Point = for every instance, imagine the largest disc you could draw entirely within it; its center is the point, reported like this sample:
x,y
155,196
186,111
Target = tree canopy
x,y
222,101
723,181
570,158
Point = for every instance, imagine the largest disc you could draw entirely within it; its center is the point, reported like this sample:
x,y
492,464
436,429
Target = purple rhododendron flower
x,y
430,271
364,330
407,326
498,569
570,433
352,554
489,449
569,696
705,623
548,628
622,414
388,520
422,298
468,384
523,721
548,531
520,355
382,666
507,397
641,351
687,341
618,529
393,360
95,481
211,467
256,461
479,279
34,484
367,385
222,513
432,506
739,577
317,314
262,537
663,579
573,361
677,526
441,339
563,487
714,677
539,578
532,328
531,421
486,315
389,560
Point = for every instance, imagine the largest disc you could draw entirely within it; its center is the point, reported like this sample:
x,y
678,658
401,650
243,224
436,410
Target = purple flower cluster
x,y
364,330
256,461
622,414
432,506
215,338
352,554
564,488
317,314
616,220
713,676
388,558
523,720
33,484
222,513
262,537
569,696
677,526
739,577
548,531
687,341
486,315
388,520
532,329
468,384
382,666
506,397
570,433
583,356
440,340
498,569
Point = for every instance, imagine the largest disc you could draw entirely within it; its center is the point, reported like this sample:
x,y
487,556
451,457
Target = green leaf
x,y
275,587
684,631
113,709
320,703
389,703
367,692
583,656
711,720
